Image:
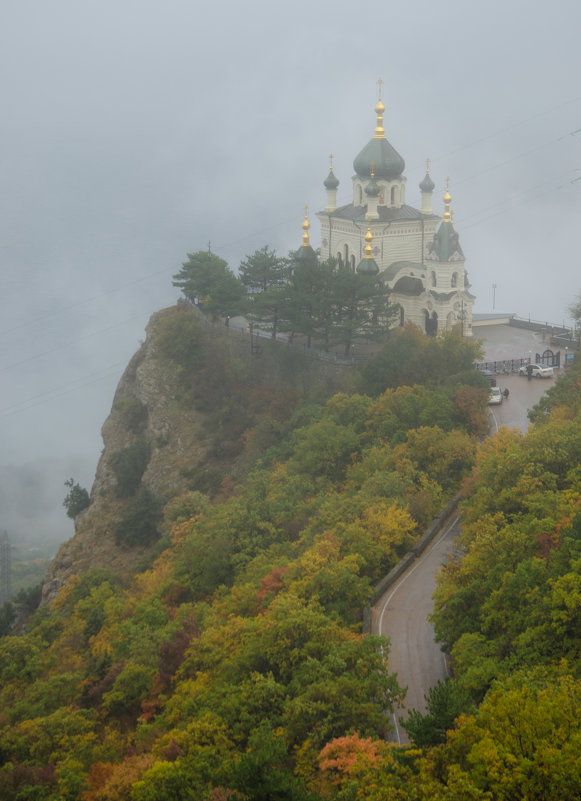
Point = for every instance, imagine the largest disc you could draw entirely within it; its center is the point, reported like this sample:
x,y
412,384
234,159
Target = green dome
x,y
381,158
372,188
367,267
427,185
331,182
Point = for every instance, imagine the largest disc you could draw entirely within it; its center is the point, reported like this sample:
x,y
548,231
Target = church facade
x,y
418,253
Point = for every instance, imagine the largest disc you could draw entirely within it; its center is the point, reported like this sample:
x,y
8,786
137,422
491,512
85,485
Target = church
x,y
416,253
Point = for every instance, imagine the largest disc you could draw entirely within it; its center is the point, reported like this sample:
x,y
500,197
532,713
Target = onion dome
x,y
372,188
368,265
427,185
331,182
388,163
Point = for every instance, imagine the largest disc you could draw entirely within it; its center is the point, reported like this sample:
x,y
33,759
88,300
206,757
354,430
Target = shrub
x,y
133,413
129,466
179,337
139,523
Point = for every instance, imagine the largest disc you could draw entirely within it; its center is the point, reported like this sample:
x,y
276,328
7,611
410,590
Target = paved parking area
x,y
501,342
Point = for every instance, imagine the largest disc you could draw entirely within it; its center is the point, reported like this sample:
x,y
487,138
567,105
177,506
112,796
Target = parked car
x,y
495,396
490,376
537,370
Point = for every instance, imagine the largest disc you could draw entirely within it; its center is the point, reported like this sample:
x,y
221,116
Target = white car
x,y
495,396
537,370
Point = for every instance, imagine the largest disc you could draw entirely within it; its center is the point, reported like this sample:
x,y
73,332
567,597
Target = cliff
x,y
186,415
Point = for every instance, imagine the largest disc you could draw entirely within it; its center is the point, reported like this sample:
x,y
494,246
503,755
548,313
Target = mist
x,y
134,132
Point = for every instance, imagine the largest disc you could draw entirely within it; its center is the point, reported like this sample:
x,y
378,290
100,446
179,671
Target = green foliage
x,y
76,500
261,270
7,618
410,358
178,337
129,465
445,702
140,521
207,280
132,412
233,664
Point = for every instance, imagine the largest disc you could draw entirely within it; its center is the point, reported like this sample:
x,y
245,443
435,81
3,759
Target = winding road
x,y
401,613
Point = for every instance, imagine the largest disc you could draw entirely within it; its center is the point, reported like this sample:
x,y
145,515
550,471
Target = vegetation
x,y
129,465
207,280
76,500
234,666
325,302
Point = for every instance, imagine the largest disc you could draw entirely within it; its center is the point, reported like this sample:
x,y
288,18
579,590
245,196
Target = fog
x,y
134,132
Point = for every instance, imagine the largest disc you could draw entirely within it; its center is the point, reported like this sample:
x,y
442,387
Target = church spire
x,y
427,186
306,251
368,265
379,109
446,241
331,183
306,226
447,200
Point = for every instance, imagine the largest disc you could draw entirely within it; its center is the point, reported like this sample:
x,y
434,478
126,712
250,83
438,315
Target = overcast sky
x,y
135,131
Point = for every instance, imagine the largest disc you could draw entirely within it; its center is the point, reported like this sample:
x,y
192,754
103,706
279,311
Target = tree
x,y
206,279
361,308
263,270
77,499
445,701
264,275
308,305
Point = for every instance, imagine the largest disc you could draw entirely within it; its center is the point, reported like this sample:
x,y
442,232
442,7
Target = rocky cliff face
x,y
146,406
191,400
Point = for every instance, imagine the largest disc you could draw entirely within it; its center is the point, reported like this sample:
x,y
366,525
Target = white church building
x,y
418,253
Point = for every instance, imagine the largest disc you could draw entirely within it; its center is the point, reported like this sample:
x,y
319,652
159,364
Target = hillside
x,y
201,633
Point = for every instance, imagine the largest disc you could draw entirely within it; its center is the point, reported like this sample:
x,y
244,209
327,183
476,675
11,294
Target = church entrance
x,y
431,323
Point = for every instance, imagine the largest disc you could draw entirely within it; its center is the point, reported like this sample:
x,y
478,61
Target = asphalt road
x,y
401,614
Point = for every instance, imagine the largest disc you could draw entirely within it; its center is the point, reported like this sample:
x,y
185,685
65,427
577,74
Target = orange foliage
x,y
113,782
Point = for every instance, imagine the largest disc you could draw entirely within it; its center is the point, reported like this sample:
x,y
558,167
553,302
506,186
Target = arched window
x,y
454,281
346,255
401,316
359,196
339,258
353,263
434,279
393,195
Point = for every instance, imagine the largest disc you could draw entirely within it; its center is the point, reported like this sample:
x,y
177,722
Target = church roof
x,y
446,242
378,155
427,185
407,285
386,213
331,181
398,266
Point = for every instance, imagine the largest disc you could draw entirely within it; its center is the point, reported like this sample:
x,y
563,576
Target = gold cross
x,y
428,162
379,85
331,159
